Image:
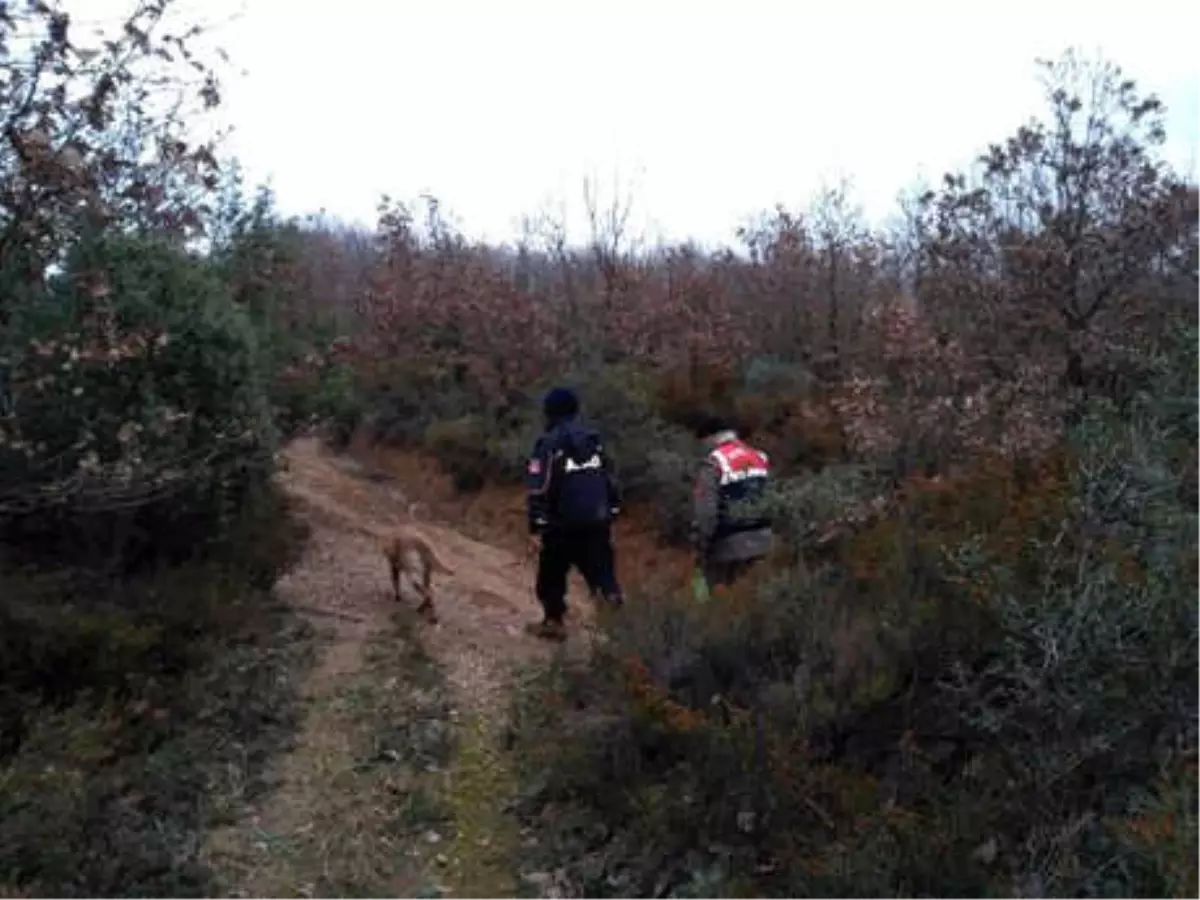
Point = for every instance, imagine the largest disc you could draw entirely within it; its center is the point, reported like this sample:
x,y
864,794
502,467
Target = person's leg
x,y
553,563
597,562
717,574
726,574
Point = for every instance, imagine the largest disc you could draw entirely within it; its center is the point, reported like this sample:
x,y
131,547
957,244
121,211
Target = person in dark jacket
x,y
728,540
573,497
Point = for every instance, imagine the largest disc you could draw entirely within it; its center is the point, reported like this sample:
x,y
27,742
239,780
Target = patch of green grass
x,y
483,858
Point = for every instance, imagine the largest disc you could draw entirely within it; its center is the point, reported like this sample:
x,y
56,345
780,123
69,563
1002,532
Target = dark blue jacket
x,y
570,480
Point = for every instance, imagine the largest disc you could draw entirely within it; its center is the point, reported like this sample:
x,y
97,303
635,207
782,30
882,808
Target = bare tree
x,y
608,236
93,135
1068,213
908,239
838,230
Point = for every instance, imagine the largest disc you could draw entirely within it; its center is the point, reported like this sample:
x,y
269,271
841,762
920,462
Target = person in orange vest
x,y
728,540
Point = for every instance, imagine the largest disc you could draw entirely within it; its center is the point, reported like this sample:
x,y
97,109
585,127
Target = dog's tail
x,y
436,562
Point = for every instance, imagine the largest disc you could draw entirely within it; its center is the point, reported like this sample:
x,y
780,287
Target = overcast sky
x,y
707,111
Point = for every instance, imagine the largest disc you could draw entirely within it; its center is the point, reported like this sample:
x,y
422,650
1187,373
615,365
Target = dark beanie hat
x,y
560,403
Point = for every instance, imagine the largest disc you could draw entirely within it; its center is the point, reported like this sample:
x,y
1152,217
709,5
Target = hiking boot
x,y
547,630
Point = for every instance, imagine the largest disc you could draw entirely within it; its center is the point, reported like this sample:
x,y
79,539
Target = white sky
x,y
708,111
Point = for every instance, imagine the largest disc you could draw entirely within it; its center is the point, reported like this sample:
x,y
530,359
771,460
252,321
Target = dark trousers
x,y
590,550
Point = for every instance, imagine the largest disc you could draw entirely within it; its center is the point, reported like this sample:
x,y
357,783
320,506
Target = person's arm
x,y
705,507
538,477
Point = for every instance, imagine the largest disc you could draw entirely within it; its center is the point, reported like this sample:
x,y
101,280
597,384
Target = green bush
x,y
267,264
326,395
137,714
641,415
65,632
421,405
460,445
136,418
405,396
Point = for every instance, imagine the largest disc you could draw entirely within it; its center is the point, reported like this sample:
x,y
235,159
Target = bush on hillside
x,y
271,268
135,418
461,446
654,458
138,714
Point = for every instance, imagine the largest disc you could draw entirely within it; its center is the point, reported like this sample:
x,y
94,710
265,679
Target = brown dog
x,y
410,552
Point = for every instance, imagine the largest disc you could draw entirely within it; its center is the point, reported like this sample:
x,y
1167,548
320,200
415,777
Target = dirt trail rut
x,y
342,584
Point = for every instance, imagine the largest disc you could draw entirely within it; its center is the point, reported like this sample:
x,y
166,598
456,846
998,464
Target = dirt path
x,y
482,608
323,831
